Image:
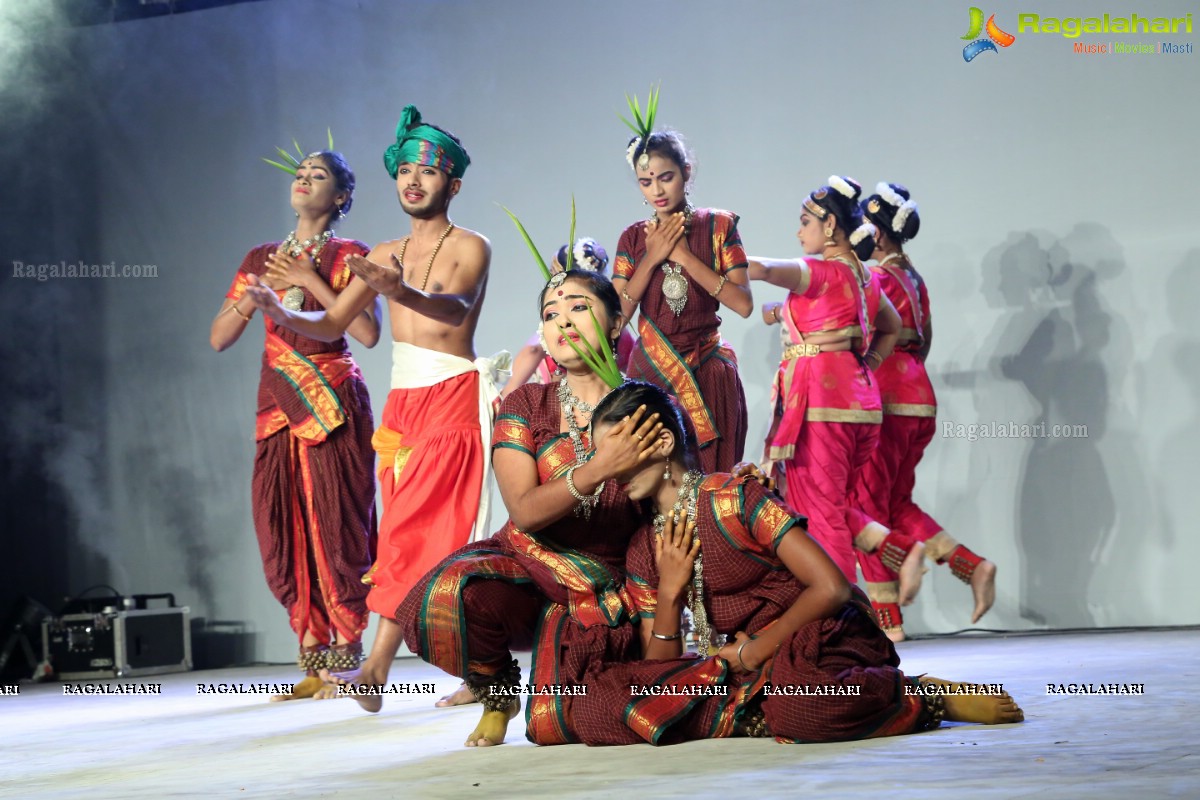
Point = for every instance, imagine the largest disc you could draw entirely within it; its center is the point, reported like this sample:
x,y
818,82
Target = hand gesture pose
x,y
387,280
265,299
662,237
628,444
675,551
284,270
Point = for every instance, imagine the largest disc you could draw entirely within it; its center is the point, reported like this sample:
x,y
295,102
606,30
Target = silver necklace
x,y
675,285
293,298
688,497
570,403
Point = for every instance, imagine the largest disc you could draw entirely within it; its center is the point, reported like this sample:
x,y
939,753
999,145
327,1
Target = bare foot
x,y
307,687
492,726
461,696
983,586
911,572
895,634
976,703
328,691
366,677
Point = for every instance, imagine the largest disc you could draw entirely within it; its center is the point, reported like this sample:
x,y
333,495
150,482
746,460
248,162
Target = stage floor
x,y
186,744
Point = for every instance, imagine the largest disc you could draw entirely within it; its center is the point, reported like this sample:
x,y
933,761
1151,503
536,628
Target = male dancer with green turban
x,y
434,440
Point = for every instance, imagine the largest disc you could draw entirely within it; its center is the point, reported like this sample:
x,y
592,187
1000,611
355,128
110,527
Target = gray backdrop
x,y
1058,203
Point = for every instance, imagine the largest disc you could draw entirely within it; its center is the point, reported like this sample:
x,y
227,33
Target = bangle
x,y
742,647
591,499
777,317
879,358
720,286
665,638
238,311
625,295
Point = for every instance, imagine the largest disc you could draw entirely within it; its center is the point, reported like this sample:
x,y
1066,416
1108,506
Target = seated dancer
x,y
313,491
532,362
679,267
828,412
433,455
804,662
553,576
909,411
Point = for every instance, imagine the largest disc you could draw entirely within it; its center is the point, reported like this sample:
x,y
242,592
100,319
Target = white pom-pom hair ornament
x,y
888,195
862,232
906,208
629,152
842,187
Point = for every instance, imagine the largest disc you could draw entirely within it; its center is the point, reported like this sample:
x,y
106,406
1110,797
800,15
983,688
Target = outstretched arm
x,y
792,274
382,270
288,270
324,326
230,322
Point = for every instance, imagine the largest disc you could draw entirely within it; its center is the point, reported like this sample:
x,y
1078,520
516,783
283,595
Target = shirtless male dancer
x,y
434,440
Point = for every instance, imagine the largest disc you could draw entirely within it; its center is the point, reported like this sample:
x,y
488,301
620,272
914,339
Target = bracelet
x,y
777,317
742,647
625,295
594,497
720,286
665,638
238,311
870,353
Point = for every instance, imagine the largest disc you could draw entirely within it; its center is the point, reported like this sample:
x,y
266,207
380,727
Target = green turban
x,y
425,146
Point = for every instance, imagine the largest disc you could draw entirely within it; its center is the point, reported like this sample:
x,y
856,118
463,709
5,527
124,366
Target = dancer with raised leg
x,y
909,412
828,410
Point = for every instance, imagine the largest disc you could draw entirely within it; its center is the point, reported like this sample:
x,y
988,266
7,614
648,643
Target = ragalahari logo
x,y
995,36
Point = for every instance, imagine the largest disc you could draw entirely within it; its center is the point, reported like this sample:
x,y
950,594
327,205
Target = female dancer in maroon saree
x,y
828,411
313,489
553,577
679,267
909,411
804,662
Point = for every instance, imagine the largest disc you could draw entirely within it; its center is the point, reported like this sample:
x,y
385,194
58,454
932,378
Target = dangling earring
x,y
667,472
829,242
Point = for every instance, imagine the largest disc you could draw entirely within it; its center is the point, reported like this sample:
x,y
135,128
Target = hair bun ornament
x,y
291,163
846,187
590,254
642,126
862,232
889,195
906,208
603,362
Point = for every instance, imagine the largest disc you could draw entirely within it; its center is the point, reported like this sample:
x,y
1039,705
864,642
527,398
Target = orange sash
x,y
676,371
304,391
